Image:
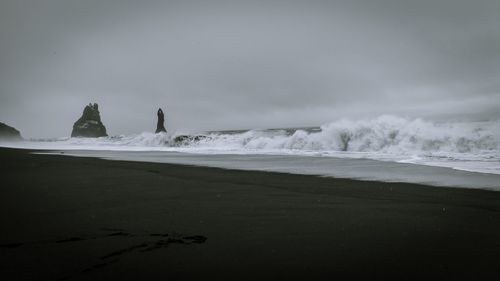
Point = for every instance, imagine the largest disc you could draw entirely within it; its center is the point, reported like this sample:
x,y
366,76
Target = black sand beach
x,y
69,218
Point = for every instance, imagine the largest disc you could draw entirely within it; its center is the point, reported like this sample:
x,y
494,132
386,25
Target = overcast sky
x,y
245,64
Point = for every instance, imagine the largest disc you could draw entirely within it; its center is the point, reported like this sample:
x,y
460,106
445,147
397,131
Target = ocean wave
x,y
385,134
473,145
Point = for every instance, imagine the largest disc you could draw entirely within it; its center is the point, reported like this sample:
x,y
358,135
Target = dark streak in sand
x,y
144,247
71,239
11,245
115,256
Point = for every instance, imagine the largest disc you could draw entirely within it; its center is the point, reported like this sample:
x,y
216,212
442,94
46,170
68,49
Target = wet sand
x,y
69,218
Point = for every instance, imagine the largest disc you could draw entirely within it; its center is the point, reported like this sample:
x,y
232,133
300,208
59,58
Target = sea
x,y
388,148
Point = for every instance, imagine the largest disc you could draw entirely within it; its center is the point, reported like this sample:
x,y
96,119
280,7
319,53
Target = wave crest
x,y
386,134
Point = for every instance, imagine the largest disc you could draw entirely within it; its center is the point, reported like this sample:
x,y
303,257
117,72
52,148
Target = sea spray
x,y
473,146
385,134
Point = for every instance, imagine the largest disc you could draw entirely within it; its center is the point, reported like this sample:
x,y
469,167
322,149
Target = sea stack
x,y
9,133
160,127
89,125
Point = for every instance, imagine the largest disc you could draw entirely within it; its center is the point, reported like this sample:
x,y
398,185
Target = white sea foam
x,y
471,146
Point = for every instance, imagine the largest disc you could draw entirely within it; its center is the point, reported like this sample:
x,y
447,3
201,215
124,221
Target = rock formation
x,y
89,125
160,127
9,133
187,139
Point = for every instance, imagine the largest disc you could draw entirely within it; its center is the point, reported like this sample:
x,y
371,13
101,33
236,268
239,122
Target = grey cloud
x,y
243,64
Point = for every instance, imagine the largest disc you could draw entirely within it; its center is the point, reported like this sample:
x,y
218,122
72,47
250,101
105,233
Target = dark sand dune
x,y
68,218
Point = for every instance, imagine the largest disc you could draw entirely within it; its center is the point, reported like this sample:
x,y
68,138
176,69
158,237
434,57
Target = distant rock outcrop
x,y
9,133
187,139
160,127
89,125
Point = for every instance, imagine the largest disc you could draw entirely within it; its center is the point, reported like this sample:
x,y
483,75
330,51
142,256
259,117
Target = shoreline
x,y
331,167
69,154
112,218
356,168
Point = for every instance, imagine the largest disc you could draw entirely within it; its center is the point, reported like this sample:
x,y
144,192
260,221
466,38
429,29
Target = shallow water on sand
x,y
364,169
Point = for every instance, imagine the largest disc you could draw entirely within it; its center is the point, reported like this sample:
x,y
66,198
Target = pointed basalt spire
x,y
160,127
